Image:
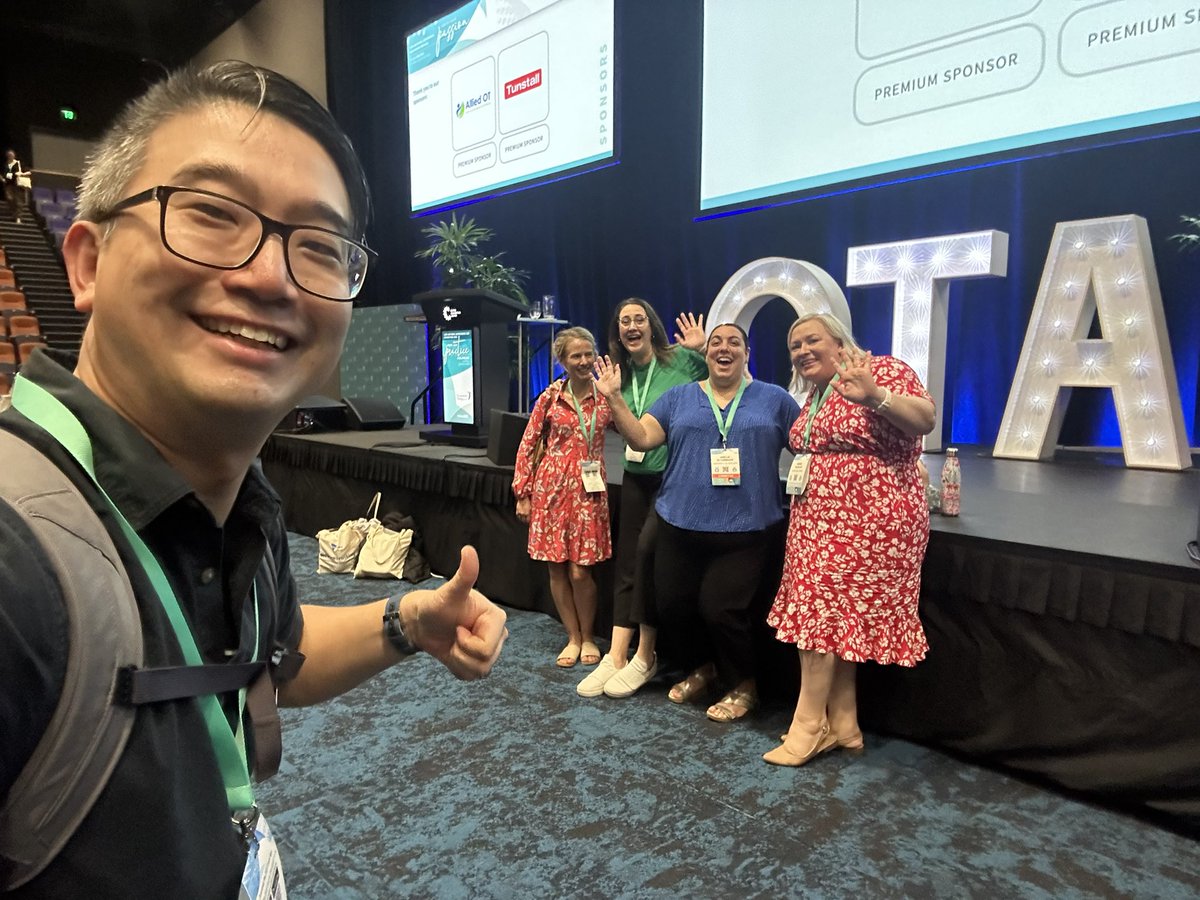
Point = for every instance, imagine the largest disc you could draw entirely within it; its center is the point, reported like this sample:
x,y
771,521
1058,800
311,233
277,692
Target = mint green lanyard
x,y
639,399
818,401
723,425
46,410
588,432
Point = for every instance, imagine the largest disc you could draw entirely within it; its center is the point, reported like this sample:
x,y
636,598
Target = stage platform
x,y
1062,609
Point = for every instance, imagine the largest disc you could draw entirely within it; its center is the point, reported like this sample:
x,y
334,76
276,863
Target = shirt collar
x,y
121,450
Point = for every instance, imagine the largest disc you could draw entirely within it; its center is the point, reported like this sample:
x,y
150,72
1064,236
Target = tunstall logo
x,y
477,102
522,84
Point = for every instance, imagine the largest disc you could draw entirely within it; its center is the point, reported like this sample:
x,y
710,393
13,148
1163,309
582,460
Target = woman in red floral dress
x,y
857,535
565,501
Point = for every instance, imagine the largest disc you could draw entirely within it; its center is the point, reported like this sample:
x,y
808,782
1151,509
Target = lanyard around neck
x,y
44,409
639,398
588,431
725,424
818,400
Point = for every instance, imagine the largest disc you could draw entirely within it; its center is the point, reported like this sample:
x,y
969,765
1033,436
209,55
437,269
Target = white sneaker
x,y
629,680
593,685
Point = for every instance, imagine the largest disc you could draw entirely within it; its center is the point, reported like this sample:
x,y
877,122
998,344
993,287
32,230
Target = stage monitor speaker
x,y
504,436
314,414
372,413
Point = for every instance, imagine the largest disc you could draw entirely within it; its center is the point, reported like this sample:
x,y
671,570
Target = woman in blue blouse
x,y
721,512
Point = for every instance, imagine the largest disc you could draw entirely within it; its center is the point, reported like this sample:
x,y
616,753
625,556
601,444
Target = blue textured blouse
x,y
688,498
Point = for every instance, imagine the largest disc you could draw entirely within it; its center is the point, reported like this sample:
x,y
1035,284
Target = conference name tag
x,y
632,455
797,479
593,480
726,467
262,879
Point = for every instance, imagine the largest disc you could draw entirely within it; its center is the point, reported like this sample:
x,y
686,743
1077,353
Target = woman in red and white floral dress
x,y
565,501
857,535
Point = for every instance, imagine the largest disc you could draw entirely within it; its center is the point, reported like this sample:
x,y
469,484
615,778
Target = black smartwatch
x,y
393,628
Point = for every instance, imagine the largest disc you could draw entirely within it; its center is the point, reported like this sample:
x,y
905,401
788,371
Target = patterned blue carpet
x,y
416,784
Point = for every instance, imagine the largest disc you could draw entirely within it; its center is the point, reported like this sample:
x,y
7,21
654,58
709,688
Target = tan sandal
x,y
590,654
568,656
694,686
733,706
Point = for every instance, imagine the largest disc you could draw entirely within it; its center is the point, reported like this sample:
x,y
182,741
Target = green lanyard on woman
x,y
726,423
588,431
818,400
639,399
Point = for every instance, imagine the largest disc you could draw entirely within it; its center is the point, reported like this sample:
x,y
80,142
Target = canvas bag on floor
x,y
338,548
383,552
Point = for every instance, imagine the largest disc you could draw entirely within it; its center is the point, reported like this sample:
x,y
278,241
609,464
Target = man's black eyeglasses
x,y
213,230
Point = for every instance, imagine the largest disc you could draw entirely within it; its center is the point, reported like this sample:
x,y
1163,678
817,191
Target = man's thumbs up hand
x,y
456,624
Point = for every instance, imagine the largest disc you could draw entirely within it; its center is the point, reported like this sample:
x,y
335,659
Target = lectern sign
x,y
458,377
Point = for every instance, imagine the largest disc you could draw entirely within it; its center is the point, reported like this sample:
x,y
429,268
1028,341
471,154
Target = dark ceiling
x,y
165,31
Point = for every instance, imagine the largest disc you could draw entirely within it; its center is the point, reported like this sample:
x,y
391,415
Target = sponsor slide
x,y
458,377
801,95
505,91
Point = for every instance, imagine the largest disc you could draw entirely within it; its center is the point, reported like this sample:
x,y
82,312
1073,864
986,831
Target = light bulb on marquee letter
x,y
922,270
1110,270
806,287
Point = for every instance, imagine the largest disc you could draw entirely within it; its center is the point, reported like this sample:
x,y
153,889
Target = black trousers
x,y
633,593
714,590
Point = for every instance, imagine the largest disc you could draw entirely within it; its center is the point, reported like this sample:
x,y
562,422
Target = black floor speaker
x,y
372,413
504,436
314,414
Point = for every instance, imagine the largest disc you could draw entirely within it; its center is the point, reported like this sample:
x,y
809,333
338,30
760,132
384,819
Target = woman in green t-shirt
x,y
637,341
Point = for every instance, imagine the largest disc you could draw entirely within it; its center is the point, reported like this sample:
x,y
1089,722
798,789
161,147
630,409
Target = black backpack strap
x,y
87,732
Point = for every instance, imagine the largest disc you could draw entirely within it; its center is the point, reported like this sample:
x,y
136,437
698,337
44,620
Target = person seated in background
x,y
562,492
218,247
637,341
720,538
857,534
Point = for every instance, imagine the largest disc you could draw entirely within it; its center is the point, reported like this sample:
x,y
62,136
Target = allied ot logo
x,y
449,313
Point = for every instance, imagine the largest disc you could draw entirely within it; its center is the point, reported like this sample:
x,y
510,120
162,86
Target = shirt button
x,y
208,575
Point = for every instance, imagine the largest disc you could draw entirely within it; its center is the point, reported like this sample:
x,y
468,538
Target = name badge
x,y
632,455
593,480
262,879
797,479
726,467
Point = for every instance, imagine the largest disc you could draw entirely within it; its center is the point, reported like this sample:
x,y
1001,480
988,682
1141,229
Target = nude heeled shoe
x,y
843,743
823,741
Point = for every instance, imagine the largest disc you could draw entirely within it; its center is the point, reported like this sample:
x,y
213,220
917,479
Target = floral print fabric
x,y
857,537
566,524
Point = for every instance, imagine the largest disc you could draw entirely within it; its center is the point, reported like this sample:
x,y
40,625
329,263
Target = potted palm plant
x,y
454,250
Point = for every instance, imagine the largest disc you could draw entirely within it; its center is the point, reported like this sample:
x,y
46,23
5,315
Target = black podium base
x,y
455,439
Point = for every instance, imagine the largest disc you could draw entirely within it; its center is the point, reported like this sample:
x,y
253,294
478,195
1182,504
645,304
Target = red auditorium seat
x,y
23,324
7,278
25,350
12,300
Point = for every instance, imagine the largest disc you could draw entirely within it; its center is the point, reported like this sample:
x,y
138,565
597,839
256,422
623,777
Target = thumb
x,y
458,587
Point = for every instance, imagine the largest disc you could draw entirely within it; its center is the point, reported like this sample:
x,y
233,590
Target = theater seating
x,y
12,299
23,326
25,349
